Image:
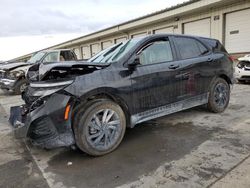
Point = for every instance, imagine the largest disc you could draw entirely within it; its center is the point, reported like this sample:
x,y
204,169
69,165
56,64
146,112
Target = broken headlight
x,y
15,74
241,64
48,88
38,93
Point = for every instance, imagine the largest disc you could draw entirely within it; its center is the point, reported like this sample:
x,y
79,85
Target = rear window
x,y
190,48
67,55
214,44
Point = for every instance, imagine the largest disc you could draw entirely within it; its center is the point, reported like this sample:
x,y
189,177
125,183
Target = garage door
x,y
118,40
95,48
164,30
139,35
106,44
237,36
86,52
199,28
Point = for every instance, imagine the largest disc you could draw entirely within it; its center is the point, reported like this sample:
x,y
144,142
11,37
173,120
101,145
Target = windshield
x,y
36,57
115,52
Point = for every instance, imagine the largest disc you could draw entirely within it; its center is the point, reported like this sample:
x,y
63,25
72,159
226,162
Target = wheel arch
x,y
212,105
106,93
20,78
225,77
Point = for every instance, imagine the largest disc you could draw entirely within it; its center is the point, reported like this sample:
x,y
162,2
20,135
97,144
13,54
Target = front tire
x,y
219,96
20,86
100,127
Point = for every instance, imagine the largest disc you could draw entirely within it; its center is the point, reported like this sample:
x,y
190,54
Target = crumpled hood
x,y
69,67
71,64
12,66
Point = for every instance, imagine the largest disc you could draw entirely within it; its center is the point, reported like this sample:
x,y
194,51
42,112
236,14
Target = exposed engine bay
x,y
58,71
46,79
46,94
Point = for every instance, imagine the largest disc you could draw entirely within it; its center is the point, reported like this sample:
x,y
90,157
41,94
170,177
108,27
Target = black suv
x,y
90,104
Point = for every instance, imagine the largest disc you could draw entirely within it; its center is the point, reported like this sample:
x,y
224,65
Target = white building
x,y
226,20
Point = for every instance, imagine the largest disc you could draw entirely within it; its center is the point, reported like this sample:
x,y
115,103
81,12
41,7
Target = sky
x,y
30,25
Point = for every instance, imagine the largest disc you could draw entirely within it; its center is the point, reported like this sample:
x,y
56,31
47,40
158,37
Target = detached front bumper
x,y
7,83
45,126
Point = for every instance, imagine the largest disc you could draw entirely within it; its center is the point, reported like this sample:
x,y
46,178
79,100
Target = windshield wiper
x,y
108,52
121,51
112,49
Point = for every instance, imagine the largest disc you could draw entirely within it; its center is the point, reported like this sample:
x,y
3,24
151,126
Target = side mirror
x,y
134,63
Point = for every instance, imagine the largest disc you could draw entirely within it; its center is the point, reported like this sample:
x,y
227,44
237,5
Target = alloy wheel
x,y
221,95
104,129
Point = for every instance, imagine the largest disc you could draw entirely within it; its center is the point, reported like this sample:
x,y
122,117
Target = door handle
x,y
184,76
210,59
174,66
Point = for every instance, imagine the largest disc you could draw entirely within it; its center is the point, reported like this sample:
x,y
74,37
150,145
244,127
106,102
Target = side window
x,y
156,52
51,57
67,56
190,48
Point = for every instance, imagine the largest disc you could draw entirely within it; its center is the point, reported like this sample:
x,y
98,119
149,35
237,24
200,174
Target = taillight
x,y
231,58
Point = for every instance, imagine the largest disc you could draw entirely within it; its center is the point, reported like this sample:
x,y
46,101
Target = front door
x,y
154,79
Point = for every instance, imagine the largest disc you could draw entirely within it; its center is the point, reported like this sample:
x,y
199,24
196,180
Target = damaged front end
x,y
9,78
44,118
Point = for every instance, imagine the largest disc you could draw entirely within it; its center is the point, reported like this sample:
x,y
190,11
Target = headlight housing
x,y
14,74
240,65
38,93
48,88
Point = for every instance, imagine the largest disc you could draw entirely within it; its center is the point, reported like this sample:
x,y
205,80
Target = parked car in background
x,y
91,103
13,75
3,62
242,69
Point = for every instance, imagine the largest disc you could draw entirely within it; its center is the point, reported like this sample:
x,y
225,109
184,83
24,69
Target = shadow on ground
x,y
142,151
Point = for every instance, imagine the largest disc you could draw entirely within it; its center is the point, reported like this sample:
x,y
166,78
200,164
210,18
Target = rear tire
x,y
99,127
219,96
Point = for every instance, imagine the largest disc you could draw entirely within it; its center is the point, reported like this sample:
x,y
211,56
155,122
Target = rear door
x,y
196,60
153,81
